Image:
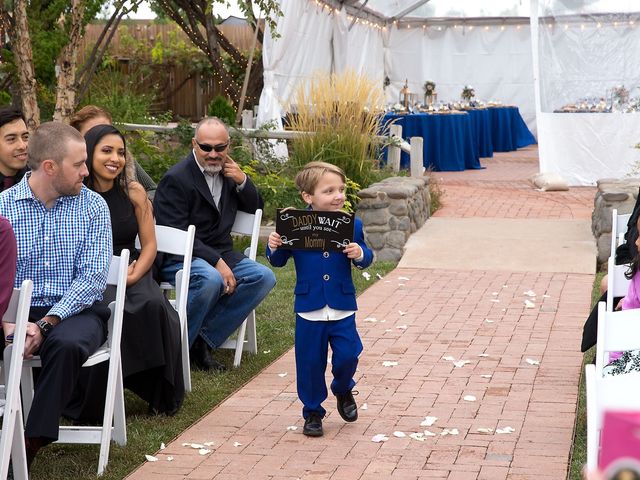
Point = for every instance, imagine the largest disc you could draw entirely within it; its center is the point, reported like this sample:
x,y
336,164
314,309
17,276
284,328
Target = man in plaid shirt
x,y
63,233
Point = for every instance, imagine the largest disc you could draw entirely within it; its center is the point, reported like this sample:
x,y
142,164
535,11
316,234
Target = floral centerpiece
x,y
468,92
620,94
429,92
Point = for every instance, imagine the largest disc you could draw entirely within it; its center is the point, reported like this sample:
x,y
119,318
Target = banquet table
x,y
457,141
449,144
508,130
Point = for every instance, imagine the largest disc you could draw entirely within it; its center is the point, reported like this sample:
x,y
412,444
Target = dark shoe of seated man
x,y
347,407
200,357
313,425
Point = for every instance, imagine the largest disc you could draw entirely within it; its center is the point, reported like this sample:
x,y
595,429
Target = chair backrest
x,y
617,331
178,242
617,282
618,229
117,276
18,313
249,224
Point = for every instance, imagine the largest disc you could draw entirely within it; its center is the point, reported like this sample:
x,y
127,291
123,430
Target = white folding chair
x,y
179,242
246,224
113,422
12,437
618,229
617,282
617,331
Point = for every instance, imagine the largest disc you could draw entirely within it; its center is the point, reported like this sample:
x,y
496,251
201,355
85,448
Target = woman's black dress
x,y
150,347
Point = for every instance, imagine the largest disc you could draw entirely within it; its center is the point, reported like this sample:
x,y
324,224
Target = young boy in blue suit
x,y
325,303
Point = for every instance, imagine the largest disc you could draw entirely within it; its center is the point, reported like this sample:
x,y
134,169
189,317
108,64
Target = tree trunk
x,y
66,66
24,65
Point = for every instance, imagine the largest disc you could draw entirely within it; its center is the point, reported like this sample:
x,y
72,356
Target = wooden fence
x,y
185,93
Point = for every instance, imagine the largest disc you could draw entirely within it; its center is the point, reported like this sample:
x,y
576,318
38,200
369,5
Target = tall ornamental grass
x,y
343,111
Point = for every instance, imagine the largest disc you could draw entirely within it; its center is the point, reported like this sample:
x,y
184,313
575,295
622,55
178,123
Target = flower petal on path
x,y
428,421
381,437
151,458
469,398
531,361
389,363
399,434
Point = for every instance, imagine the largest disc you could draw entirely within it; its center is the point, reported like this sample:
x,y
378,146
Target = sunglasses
x,y
205,147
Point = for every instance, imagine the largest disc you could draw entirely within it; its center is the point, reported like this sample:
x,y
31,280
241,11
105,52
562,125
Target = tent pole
x,y
245,84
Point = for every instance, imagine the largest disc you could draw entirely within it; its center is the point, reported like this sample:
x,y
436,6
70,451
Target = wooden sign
x,y
314,230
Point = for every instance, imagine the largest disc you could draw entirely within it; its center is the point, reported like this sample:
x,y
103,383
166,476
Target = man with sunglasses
x,y
206,189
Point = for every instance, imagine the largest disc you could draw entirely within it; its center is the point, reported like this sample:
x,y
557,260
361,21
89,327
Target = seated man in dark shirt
x,y
14,138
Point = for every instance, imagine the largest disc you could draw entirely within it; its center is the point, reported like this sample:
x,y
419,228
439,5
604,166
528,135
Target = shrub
x,y
338,108
221,108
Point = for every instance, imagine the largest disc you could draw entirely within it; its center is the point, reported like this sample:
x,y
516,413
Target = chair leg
x,y
18,450
252,338
186,367
119,418
240,343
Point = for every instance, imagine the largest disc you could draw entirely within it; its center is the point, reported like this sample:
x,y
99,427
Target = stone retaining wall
x,y
612,193
391,210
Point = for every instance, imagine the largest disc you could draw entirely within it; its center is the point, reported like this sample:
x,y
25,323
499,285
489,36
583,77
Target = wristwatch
x,y
44,326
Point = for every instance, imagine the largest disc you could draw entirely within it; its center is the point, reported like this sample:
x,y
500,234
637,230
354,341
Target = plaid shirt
x,y
65,250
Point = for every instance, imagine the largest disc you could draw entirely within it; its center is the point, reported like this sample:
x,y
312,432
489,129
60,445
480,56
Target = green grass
x,y
275,326
579,449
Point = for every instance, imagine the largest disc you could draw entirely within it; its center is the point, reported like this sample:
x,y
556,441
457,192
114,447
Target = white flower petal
x,y
449,431
370,319
427,433
529,304
196,445
469,398
388,363
237,444
486,376
448,358
401,313
530,293
505,430
485,430
388,330
419,436
401,284
489,321
381,437
494,293
204,451
404,278
266,351
209,444
151,458
282,375
292,428
162,446
366,275
379,276
461,363
495,300
169,459
401,327
428,421
399,434
531,361
364,406
546,296
483,354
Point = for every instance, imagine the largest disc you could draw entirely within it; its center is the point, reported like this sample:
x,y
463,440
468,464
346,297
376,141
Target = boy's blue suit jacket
x,y
323,278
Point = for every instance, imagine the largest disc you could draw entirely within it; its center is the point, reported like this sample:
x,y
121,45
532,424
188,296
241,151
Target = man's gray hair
x,y
213,121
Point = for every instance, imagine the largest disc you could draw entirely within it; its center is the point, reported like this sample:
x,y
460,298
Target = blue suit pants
x,y
311,347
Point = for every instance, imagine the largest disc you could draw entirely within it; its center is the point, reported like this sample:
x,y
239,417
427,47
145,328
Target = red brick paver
x,y
417,317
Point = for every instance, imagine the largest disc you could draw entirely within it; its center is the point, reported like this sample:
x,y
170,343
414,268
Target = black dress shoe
x,y
313,425
201,358
347,407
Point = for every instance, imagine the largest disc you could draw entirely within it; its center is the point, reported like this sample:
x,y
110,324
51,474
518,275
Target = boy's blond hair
x,y
312,172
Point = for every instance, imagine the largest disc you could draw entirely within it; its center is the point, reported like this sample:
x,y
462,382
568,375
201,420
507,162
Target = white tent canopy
x,y
498,47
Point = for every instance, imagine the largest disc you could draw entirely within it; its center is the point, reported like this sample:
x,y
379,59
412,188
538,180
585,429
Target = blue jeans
x,y
212,314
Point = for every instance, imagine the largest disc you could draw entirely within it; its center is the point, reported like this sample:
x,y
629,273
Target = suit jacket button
x,y
326,277
325,254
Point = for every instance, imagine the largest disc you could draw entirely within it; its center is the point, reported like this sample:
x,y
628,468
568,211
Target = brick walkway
x,y
416,317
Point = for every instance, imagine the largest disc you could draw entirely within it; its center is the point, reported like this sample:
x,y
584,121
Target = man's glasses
x,y
205,147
